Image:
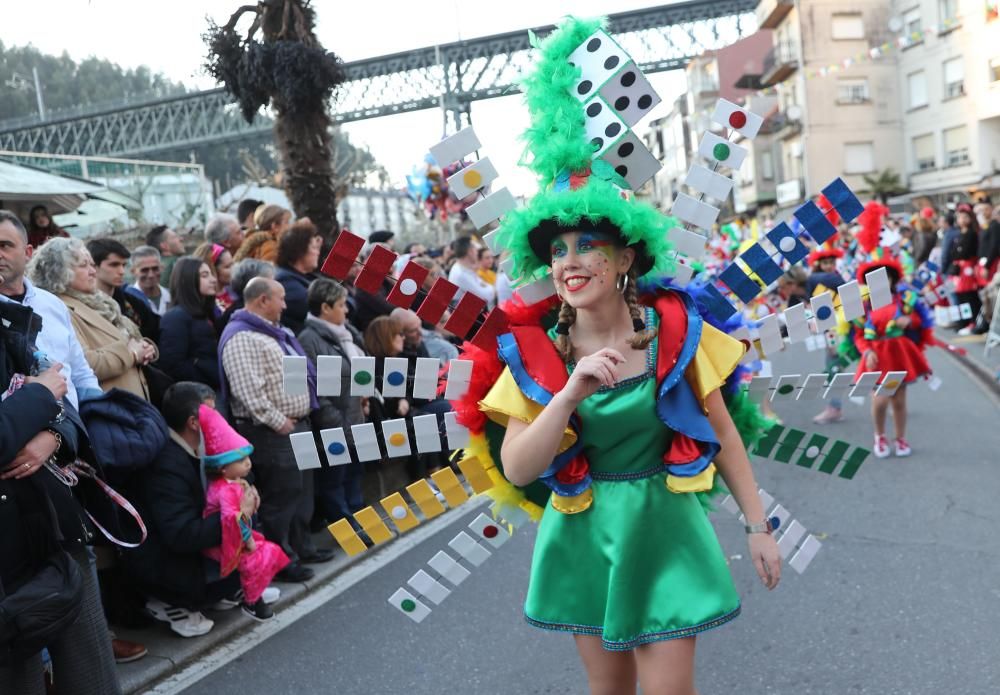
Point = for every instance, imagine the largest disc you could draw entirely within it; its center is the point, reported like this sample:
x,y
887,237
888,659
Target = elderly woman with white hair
x,y
112,344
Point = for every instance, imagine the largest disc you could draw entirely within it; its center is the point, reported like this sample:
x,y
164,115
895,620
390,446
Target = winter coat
x,y
334,411
296,303
189,348
126,432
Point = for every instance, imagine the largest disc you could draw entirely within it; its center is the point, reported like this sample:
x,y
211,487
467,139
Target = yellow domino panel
x,y
475,474
372,523
344,534
425,498
446,480
399,511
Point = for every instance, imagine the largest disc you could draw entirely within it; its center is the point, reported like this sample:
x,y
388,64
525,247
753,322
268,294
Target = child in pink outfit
x,y
227,463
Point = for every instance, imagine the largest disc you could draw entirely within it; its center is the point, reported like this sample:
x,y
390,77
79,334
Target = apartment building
x,y
949,84
846,123
669,139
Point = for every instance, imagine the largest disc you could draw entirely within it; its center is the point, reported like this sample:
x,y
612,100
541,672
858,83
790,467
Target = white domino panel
x,y
445,565
429,587
771,341
822,303
492,241
840,384
878,287
493,206
850,300
683,272
458,435
398,365
812,387
459,375
417,614
890,384
480,525
464,183
795,321
363,364
293,375
766,499
538,290
751,355
425,378
865,384
694,211
688,243
365,442
782,514
455,147
758,388
304,450
514,516
790,538
706,149
391,429
331,437
466,546
704,180
730,505
724,108
807,551
329,380
425,431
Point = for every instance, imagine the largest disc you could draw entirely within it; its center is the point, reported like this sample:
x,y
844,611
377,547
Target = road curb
x,y
978,371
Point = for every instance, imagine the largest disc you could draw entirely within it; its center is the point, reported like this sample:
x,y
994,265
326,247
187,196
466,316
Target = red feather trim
x,y
486,369
521,314
871,225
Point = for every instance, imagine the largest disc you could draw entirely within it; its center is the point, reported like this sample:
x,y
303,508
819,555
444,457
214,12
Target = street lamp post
x,y
18,81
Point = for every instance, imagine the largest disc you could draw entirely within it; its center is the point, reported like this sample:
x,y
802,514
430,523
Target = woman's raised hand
x,y
591,373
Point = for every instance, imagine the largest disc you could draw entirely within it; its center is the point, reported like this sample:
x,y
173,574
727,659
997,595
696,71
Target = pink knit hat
x,y
223,444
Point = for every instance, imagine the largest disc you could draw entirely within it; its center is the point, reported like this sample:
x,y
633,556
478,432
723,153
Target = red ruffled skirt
x,y
898,354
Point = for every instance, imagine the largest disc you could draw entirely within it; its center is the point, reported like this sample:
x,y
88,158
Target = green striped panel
x,y
834,457
789,445
767,443
816,440
854,462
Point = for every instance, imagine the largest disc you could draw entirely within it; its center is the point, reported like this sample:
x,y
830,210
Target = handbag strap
x,y
69,476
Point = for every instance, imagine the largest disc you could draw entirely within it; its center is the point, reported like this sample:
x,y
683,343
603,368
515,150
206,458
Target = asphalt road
x,y
904,596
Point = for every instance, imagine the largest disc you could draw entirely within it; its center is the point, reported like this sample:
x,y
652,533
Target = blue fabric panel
x,y
815,222
760,262
738,281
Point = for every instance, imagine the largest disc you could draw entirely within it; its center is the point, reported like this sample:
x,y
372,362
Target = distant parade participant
x,y
824,277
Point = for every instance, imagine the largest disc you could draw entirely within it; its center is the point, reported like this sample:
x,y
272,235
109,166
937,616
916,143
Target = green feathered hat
x,y
576,189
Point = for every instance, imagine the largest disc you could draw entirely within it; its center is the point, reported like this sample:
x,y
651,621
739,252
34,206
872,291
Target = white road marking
x,y
245,641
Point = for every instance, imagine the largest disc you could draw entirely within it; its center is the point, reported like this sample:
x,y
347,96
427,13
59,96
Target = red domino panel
x,y
465,314
436,301
343,254
412,273
375,270
495,324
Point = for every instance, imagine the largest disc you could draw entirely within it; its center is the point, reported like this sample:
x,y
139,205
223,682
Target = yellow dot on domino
x,y
891,384
397,439
472,178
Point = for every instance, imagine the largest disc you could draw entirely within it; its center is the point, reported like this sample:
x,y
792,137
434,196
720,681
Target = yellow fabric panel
x,y
698,483
505,401
717,357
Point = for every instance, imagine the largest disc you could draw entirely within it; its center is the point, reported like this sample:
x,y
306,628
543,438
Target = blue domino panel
x,y
760,262
843,200
794,250
736,280
719,306
815,222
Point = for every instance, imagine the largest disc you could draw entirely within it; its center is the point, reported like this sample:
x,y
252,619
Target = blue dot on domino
x,y
775,523
395,378
823,313
336,448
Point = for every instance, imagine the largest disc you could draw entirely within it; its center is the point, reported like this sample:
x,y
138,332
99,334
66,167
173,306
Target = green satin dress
x,y
642,564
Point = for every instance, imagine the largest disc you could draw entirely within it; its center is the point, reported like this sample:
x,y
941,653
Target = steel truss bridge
x,y
449,76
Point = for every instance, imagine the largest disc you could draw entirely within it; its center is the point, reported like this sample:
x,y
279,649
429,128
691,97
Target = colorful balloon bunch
x,y
427,184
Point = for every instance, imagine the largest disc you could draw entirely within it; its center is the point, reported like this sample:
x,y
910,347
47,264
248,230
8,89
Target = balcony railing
x,y
779,63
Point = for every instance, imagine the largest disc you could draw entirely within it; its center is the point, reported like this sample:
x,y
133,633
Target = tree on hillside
x,y
884,184
287,69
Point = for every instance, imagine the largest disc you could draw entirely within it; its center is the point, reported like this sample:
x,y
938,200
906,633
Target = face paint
x,y
558,248
596,241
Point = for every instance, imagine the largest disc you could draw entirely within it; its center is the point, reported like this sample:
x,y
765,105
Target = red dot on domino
x,y
737,119
490,531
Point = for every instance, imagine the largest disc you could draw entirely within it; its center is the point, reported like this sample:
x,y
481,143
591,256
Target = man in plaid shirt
x,y
250,351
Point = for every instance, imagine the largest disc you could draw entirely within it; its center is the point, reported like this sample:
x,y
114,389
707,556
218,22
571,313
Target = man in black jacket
x,y
170,566
111,257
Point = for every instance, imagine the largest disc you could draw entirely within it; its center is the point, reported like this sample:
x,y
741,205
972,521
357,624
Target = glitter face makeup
x,y
591,264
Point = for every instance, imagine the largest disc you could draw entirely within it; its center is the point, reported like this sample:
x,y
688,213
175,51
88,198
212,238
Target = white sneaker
x,y
881,447
902,448
182,621
271,594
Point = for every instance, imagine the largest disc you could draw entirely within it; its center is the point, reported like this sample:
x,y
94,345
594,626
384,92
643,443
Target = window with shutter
x,y
859,158
923,152
954,78
847,27
956,146
852,90
912,21
916,83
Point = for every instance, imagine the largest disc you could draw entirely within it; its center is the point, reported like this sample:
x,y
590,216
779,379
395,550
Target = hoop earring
x,y
621,284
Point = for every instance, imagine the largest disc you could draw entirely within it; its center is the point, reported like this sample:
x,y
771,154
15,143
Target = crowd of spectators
x,y
208,327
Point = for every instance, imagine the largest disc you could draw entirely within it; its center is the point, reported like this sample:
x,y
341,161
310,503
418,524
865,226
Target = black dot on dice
x,y
597,144
611,63
594,109
626,149
584,87
628,79
622,170
612,130
621,103
593,45
644,101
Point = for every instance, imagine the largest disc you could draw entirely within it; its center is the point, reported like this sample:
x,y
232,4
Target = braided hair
x,y
567,317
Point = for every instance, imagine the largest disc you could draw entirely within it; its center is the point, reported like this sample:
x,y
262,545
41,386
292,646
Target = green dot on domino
x,y
363,378
721,152
408,605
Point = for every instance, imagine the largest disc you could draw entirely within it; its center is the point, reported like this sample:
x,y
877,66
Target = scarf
x,y
108,308
244,320
342,334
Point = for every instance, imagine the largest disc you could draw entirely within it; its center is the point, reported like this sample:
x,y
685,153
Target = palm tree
x,y
287,69
884,184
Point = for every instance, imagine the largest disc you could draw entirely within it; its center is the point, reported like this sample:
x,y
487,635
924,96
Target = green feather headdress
x,y
558,151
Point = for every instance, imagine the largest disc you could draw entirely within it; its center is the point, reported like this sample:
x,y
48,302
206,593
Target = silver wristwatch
x,y
766,526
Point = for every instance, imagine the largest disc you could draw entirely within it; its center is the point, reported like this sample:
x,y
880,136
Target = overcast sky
x,y
166,36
